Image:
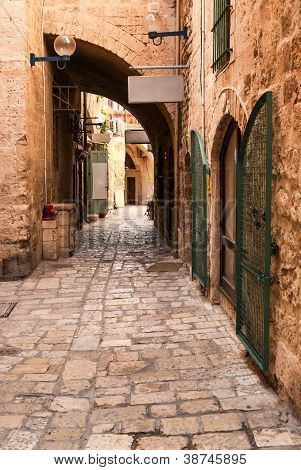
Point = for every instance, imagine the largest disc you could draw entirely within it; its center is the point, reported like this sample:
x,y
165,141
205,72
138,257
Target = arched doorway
x,y
228,160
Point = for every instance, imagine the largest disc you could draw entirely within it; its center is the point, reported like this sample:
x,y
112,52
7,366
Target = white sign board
x,y
163,89
100,180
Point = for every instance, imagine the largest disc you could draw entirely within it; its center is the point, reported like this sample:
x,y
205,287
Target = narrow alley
x,y
102,352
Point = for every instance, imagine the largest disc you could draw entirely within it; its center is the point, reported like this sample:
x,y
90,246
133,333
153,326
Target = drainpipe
x,y
85,163
176,144
44,107
203,68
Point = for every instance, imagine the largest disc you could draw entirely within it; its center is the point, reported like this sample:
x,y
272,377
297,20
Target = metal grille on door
x,y
199,209
254,174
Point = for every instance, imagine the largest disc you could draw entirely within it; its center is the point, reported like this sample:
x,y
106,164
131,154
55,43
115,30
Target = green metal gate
x,y
254,175
199,209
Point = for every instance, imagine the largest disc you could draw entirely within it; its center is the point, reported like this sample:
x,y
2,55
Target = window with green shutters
x,y
221,34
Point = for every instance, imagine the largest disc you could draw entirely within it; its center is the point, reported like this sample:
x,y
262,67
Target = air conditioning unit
x,y
117,126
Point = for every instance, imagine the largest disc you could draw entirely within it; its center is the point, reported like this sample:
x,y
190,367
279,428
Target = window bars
x,y
221,34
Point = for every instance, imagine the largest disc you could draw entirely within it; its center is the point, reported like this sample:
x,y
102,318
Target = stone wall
x,y
14,209
191,112
59,233
265,37
22,138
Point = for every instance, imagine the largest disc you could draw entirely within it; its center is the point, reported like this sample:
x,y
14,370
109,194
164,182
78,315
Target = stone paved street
x,y
99,353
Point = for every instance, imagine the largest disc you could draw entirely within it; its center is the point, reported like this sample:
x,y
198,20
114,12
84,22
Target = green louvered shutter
x,y
254,175
199,209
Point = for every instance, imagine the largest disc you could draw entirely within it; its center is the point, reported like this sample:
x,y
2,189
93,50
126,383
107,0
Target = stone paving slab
x,y
101,353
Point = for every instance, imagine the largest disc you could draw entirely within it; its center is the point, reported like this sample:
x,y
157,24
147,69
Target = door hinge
x,y
262,277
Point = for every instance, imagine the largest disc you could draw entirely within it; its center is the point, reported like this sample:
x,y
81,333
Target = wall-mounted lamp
x,y
64,46
152,24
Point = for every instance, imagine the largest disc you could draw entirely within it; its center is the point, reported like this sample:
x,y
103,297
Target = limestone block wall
x,y
191,118
38,114
58,234
22,139
65,229
265,37
50,240
14,208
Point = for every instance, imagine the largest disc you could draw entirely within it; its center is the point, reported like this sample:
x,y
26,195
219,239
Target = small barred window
x,y
221,34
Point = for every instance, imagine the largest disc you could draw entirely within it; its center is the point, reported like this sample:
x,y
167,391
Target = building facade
x,y
243,99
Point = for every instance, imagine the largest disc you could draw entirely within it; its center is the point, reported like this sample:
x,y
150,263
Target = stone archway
x,y
228,107
110,38
96,70
107,46
101,72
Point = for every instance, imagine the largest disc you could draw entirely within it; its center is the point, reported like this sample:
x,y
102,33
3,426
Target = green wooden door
x,y
199,209
254,174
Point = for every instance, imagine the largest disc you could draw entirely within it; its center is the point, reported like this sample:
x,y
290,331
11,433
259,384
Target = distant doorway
x,y
170,195
131,190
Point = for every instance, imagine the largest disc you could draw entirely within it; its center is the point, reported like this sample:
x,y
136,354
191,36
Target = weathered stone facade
x,y
265,42
22,140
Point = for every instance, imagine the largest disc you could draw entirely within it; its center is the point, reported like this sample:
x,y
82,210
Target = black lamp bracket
x,y
60,60
154,35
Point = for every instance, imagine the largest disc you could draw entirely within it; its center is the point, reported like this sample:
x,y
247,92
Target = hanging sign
x,y
136,136
100,180
163,89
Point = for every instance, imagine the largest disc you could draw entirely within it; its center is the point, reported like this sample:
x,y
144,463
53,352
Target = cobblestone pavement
x,y
99,353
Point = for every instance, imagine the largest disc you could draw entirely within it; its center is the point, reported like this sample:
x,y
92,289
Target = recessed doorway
x,y
229,157
131,190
